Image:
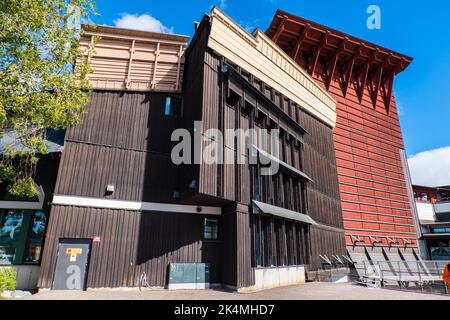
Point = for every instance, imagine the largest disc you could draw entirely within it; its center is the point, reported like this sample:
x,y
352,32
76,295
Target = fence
x,y
425,276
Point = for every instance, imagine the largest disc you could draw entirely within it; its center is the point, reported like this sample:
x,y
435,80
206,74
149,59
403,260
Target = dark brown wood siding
x,y
324,204
125,140
132,243
237,256
86,170
207,90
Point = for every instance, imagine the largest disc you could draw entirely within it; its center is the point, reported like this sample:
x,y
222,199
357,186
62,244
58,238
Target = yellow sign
x,y
74,251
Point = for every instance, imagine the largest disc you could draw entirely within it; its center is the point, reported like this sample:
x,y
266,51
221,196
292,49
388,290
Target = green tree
x,y
41,87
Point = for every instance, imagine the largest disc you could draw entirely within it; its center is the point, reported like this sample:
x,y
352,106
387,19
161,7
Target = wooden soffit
x,y
260,56
134,60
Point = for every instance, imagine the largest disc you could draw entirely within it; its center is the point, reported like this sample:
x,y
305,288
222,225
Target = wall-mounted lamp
x,y
109,189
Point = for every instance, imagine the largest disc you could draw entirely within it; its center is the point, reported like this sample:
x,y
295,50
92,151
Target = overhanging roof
x,y
54,140
308,43
284,213
283,164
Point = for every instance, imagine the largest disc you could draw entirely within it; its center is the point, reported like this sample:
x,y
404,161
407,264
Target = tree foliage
x,y
41,87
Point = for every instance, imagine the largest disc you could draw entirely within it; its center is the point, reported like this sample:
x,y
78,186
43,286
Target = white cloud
x,y
222,4
144,22
431,168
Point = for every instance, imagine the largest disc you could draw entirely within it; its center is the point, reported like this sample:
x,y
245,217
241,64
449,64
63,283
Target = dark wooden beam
x,y
365,74
349,69
280,29
315,57
296,48
378,78
332,65
389,84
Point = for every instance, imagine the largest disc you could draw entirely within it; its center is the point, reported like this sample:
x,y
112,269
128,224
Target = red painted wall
x,y
371,179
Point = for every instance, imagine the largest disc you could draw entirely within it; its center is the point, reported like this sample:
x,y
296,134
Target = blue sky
x,y
415,28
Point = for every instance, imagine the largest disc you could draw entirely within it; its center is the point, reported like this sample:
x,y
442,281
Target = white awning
x,y
284,213
283,164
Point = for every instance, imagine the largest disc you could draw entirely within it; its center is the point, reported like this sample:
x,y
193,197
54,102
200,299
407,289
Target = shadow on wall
x,y
166,238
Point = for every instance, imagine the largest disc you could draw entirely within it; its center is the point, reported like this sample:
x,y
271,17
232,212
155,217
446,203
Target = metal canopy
x,y
283,164
284,213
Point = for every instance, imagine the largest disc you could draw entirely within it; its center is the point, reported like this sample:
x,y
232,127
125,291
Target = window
x,y
173,107
21,236
441,230
247,109
211,229
10,230
36,237
233,99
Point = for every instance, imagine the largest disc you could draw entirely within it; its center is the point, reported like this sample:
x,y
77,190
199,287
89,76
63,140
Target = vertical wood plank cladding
x,y
210,120
124,140
320,164
132,243
325,242
324,204
237,251
87,169
126,120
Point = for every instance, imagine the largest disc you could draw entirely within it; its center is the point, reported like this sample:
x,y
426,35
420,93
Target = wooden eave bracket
x,y
348,70
333,63
316,55
363,77
280,29
388,85
296,48
376,83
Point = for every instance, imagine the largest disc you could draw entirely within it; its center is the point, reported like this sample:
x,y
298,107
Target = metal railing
x,y
424,276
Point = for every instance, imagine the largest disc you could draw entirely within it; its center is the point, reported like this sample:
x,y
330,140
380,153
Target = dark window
x,y
233,99
11,222
211,230
173,107
247,109
260,118
21,236
36,237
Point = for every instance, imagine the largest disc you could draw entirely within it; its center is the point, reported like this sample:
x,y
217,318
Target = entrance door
x,y
71,265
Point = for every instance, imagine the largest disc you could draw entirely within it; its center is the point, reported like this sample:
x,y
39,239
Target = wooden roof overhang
x,y
373,66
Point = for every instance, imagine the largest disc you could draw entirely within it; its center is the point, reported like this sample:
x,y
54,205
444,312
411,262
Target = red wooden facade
x,y
368,139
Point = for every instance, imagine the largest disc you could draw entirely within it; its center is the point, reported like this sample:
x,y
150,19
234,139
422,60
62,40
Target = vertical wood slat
x,y
126,250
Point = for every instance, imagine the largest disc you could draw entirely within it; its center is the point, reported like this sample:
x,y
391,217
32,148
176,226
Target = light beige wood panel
x,y
258,55
134,60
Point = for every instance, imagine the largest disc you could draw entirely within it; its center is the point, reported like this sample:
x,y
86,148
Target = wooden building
x,y
377,200
23,221
119,193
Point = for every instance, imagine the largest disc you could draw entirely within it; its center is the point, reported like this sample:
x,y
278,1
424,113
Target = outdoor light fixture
x,y
109,189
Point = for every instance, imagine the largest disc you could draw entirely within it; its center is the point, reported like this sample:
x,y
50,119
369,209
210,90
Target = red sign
x,y
96,239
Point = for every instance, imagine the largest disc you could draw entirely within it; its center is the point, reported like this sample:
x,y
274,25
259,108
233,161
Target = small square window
x,y
211,229
173,107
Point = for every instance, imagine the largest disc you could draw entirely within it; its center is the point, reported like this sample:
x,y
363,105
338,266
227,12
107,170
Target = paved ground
x,y
310,291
